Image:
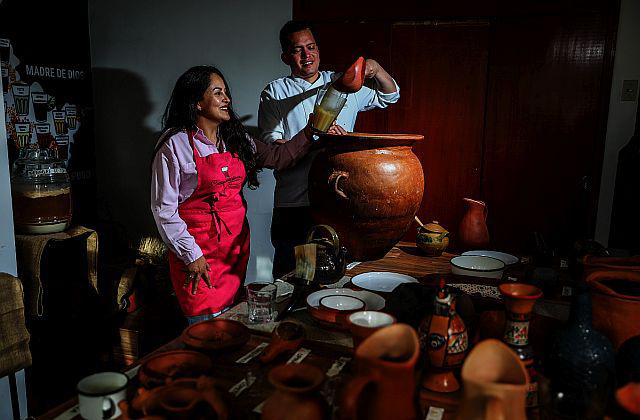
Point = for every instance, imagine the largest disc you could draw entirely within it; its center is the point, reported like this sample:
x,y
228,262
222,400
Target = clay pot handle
x,y
211,396
335,179
334,236
485,210
494,409
349,406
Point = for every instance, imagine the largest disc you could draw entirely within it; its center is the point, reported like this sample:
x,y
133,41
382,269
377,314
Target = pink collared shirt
x,y
174,178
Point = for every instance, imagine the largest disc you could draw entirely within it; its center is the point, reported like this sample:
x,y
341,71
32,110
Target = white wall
x,y
8,264
622,115
138,50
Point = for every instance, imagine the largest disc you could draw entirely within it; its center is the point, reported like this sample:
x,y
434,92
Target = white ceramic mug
x,y
100,393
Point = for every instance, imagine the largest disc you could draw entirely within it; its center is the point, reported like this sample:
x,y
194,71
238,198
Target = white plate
x,y
507,259
372,301
381,281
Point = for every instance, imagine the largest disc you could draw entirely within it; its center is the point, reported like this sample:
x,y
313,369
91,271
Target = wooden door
x,y
441,68
543,144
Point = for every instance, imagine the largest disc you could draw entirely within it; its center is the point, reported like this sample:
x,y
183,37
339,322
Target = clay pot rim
x,y
379,332
304,371
536,293
498,346
145,374
239,332
594,281
400,137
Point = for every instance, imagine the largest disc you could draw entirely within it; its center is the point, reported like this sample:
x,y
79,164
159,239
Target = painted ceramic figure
x,y
445,341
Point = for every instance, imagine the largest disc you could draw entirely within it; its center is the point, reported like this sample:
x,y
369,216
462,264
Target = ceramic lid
x,y
434,227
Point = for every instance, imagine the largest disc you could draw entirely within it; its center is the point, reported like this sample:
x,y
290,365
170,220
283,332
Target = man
x,y
285,105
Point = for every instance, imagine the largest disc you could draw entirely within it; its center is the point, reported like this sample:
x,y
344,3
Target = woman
x,y
201,162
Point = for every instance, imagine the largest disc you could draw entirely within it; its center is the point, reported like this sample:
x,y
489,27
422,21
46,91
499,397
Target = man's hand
x,y
373,70
195,270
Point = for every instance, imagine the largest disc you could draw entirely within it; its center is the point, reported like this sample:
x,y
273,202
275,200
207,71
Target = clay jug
x,y
368,187
473,232
495,383
296,395
616,304
385,386
181,399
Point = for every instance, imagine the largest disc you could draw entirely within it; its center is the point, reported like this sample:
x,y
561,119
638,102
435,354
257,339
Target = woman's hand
x,y
336,129
195,270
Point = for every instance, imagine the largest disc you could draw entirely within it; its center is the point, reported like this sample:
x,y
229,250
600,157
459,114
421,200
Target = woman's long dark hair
x,y
181,112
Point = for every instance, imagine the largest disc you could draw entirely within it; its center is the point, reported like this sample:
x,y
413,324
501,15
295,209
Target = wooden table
x,y
404,258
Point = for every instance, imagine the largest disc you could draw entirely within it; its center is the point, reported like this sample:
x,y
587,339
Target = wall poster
x,y
46,81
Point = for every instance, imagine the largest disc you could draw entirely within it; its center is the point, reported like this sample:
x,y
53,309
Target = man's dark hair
x,y
290,28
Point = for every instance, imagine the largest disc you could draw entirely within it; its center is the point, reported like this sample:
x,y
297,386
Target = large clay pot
x,y
473,231
296,395
616,304
368,187
385,385
495,383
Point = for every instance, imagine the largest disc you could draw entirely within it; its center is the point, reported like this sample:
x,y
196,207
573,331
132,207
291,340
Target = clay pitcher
x,y
385,386
495,383
296,395
473,232
616,304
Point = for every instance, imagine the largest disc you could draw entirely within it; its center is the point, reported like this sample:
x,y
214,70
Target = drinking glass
x,y
261,299
329,103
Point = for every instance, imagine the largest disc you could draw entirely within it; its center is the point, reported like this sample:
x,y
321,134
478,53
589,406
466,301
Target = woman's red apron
x,y
215,217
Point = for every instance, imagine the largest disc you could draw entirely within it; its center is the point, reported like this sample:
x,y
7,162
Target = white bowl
x,y
341,303
371,319
372,301
477,266
508,259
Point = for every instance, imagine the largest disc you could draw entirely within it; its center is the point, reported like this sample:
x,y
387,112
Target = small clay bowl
x,y
336,308
215,335
364,323
171,365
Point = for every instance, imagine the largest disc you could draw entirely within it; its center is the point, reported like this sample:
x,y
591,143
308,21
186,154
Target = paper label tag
x,y
258,408
299,356
567,291
238,388
253,353
337,366
435,413
132,372
71,413
564,264
353,264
